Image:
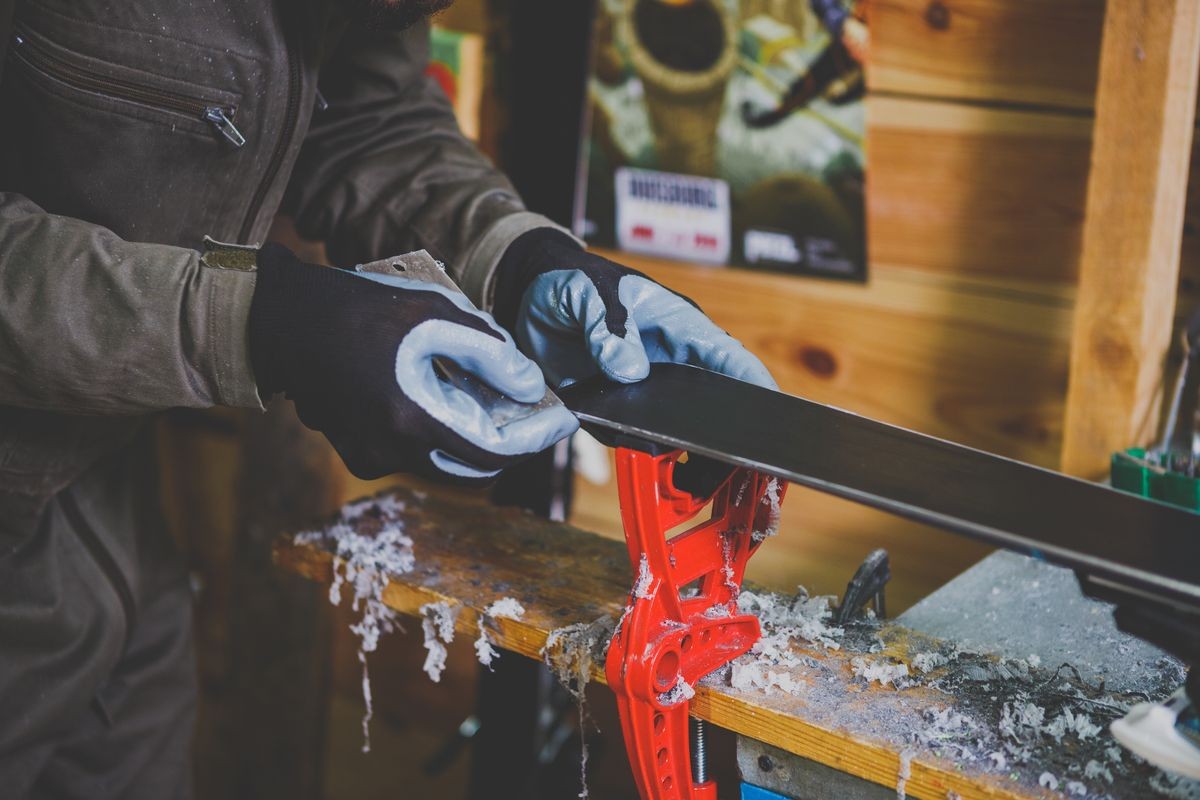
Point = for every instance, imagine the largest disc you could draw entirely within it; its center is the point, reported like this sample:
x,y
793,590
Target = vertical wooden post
x,y
1129,269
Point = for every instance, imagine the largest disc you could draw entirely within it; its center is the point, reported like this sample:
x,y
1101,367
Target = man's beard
x,y
396,14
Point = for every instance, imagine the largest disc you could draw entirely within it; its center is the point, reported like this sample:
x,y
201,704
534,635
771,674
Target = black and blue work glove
x,y
355,352
578,314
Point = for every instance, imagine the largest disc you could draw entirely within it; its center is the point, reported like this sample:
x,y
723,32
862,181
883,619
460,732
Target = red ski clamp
x,y
681,622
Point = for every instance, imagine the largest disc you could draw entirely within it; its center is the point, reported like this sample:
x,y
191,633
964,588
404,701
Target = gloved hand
x,y
576,314
355,352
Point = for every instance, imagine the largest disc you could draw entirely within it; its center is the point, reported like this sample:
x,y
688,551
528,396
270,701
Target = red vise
x,y
682,620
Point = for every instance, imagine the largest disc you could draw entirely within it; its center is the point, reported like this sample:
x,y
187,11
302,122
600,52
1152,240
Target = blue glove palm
x,y
577,314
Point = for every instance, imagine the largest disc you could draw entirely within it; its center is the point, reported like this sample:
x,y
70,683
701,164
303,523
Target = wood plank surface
x,y
470,554
1016,51
1135,213
973,191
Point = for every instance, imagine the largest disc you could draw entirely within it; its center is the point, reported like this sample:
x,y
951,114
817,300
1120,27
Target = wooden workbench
x,y
469,554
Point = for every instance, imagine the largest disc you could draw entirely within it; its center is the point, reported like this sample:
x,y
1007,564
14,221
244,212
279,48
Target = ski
x,y
1117,541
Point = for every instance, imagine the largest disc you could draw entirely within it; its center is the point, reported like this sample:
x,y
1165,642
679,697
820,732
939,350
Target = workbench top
x,y
932,732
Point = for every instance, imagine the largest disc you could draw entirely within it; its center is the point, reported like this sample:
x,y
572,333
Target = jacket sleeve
x,y
92,324
384,168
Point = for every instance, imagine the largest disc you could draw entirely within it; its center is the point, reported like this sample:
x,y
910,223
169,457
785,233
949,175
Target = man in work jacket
x,y
130,132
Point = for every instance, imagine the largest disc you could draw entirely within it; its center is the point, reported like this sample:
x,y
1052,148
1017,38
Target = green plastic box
x,y
1135,471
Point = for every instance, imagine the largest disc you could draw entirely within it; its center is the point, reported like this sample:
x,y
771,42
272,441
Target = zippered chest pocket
x,y
119,89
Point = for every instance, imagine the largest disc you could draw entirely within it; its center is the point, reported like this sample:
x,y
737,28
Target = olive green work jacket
x,y
128,132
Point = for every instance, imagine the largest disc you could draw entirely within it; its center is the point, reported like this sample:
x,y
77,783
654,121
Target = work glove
x,y
355,353
577,314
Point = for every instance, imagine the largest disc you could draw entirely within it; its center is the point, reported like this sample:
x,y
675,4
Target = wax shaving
x,y
885,672
755,675
641,587
727,564
798,617
928,662
1067,722
1094,769
903,773
773,500
364,562
766,667
681,692
507,608
570,652
437,623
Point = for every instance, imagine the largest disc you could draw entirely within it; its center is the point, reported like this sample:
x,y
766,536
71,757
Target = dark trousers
x,y
97,670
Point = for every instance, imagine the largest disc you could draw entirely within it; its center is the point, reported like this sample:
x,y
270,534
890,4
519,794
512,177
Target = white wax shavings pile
x,y
1071,723
944,724
886,673
773,500
1006,716
800,617
755,675
507,608
680,692
767,667
366,561
437,623
903,773
928,662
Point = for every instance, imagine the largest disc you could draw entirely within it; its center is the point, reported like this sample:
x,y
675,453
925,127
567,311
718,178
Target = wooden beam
x,y
1145,113
1041,52
470,554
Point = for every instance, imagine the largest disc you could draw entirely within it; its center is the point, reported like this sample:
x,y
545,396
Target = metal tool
x,y
1170,471
867,586
1179,439
421,266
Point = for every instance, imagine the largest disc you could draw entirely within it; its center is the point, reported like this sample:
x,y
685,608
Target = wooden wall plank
x,y
1017,51
1135,213
975,191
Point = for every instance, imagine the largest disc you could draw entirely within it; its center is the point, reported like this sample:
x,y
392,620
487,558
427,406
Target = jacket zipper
x,y
103,558
290,114
38,58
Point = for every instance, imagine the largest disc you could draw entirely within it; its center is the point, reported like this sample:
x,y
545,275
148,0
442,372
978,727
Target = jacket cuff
x,y
478,276
229,295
